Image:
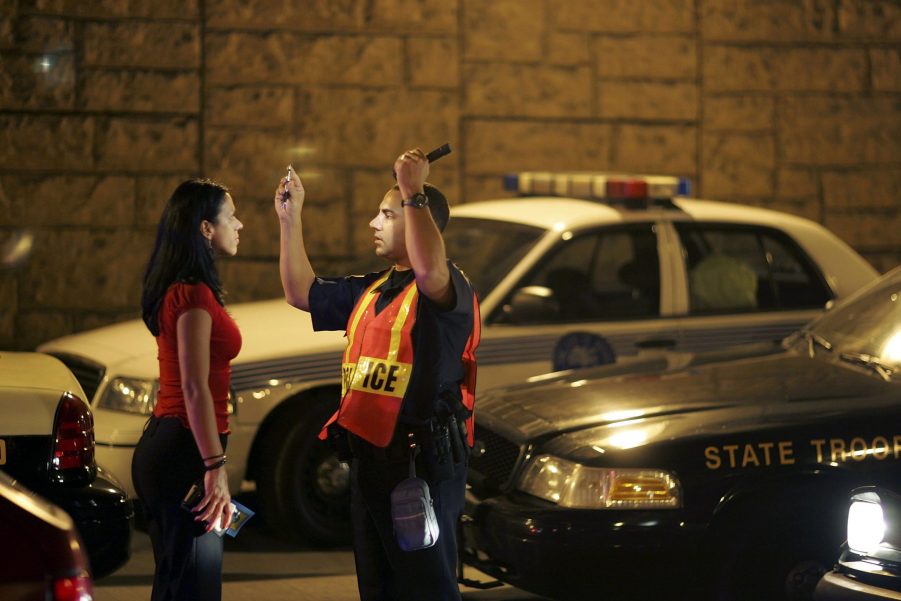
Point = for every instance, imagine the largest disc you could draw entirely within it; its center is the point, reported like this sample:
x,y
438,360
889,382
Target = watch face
x,y
418,201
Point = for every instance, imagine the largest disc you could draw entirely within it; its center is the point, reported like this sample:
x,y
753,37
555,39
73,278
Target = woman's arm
x,y
194,329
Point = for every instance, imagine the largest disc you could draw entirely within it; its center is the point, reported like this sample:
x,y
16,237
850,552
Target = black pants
x,y
188,561
384,571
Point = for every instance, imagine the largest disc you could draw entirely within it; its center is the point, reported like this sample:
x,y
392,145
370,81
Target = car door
x,y
740,284
593,298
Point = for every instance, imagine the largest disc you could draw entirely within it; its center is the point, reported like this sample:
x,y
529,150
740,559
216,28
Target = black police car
x,y
870,564
721,474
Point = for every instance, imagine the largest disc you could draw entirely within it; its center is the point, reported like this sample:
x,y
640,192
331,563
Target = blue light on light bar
x,y
511,182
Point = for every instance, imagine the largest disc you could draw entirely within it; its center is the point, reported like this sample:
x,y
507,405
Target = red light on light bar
x,y
627,188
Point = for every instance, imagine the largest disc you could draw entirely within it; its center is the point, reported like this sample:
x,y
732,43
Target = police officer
x,y
408,375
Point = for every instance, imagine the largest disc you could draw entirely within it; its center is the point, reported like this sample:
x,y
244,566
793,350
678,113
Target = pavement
x,y
258,566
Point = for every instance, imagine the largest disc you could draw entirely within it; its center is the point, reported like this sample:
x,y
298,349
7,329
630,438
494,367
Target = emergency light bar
x,y
597,186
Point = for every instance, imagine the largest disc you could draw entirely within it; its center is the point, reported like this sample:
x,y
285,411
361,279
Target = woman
x,y
184,440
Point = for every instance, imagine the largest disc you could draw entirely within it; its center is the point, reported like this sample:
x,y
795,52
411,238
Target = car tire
x,y
303,490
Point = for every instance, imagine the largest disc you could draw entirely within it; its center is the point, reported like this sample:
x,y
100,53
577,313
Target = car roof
x,y
548,212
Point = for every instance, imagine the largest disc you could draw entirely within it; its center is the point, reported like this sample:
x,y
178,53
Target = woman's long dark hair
x,y
181,253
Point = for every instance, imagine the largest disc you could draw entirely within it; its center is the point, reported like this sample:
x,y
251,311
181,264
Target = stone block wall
x,y
105,105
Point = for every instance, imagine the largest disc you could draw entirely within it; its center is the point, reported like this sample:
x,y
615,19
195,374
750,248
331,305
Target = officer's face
x,y
388,228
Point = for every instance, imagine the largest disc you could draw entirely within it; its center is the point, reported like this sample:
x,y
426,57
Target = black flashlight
x,y
434,155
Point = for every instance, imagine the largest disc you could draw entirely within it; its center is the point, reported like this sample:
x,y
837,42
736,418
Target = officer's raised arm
x,y
294,265
425,246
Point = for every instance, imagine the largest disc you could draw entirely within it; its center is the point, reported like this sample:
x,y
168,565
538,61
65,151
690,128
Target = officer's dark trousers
x,y
384,571
188,562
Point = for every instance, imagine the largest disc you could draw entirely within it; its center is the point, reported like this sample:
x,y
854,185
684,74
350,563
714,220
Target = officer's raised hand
x,y
289,196
411,169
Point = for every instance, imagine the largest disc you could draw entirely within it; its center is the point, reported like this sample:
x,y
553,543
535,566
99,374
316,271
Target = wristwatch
x,y
418,201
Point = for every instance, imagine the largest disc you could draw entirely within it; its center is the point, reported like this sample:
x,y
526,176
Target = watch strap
x,y
418,201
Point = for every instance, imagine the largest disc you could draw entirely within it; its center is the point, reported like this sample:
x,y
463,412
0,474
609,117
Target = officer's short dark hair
x,y
437,205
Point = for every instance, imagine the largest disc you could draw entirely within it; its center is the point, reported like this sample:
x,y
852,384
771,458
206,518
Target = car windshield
x,y
868,328
486,250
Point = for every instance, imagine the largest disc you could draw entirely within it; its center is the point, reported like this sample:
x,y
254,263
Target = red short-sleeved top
x,y
225,342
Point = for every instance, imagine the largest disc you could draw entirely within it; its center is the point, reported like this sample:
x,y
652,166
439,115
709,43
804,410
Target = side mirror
x,y
531,304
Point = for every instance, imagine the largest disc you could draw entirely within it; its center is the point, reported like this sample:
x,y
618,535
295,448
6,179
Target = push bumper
x,y
836,586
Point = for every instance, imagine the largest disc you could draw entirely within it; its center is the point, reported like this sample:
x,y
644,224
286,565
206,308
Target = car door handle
x,y
656,343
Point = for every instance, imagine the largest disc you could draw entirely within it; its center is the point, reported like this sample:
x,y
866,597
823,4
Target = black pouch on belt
x,y
458,439
439,455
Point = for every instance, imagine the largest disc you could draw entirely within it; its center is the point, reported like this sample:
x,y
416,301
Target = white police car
x,y
47,444
589,269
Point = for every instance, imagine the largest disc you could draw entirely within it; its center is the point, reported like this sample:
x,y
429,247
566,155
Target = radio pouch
x,y
415,524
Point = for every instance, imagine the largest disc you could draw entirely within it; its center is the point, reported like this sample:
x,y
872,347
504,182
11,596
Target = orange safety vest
x,y
378,362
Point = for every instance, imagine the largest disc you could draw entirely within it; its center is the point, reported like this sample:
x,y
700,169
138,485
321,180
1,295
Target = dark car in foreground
x,y
44,558
870,564
47,443
718,474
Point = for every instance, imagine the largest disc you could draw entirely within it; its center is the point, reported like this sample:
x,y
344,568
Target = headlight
x,y
866,526
570,484
130,395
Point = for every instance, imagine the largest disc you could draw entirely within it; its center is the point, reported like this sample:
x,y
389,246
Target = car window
x,y
604,275
486,250
740,269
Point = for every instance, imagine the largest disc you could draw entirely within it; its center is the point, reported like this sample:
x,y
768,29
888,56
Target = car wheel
x,y
304,490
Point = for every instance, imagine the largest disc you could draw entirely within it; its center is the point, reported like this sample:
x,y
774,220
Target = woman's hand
x,y
289,196
216,502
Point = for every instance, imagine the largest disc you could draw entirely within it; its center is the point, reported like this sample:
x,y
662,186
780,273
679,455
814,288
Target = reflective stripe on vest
x,y
377,365
468,385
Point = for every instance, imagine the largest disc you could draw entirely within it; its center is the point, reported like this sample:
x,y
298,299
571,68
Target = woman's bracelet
x,y
219,456
215,466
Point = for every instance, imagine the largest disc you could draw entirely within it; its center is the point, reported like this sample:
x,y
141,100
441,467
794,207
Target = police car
x,y
721,474
584,269
47,444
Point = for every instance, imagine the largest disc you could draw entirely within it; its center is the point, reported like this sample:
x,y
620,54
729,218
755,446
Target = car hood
x,y
269,329
678,395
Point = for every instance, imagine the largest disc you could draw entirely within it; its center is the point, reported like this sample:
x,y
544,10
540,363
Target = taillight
x,y
76,588
73,432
